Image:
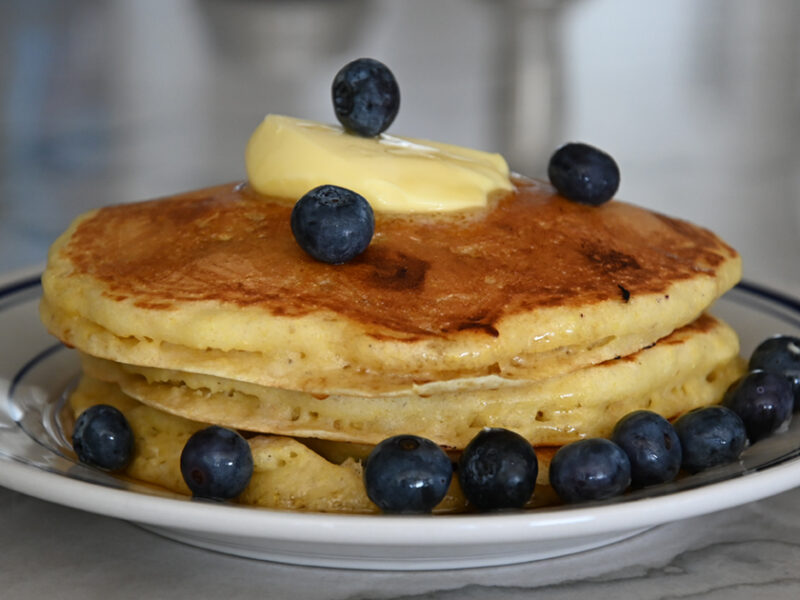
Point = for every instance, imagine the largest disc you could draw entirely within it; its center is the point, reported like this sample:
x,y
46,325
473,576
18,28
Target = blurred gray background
x,y
114,101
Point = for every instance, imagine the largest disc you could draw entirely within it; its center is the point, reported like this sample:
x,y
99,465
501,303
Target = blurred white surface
x,y
119,101
700,104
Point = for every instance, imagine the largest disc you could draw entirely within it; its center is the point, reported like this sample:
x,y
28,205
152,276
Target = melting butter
x,y
286,157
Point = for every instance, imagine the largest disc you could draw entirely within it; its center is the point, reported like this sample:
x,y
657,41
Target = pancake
x,y
535,314
533,287
689,368
288,473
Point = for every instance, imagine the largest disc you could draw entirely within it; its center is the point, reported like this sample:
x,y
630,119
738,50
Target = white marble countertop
x,y
54,552
123,101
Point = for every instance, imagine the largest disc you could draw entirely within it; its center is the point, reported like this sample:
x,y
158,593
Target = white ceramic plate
x,y
35,371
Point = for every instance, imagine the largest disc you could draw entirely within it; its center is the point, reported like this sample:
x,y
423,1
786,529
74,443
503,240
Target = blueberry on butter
x,y
584,174
333,224
366,97
103,438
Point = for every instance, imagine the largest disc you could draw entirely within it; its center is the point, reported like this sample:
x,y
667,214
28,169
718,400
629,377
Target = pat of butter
x,y
287,157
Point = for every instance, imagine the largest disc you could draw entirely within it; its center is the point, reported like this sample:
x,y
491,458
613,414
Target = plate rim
x,y
517,527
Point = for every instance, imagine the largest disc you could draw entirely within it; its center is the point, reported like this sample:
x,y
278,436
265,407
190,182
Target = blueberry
x,y
763,400
216,463
780,354
592,469
710,436
498,469
407,474
366,97
103,438
333,224
652,446
584,174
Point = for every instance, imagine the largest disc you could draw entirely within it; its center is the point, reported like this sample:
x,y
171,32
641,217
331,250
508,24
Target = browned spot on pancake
x,y
394,270
609,260
115,297
626,295
701,246
385,337
702,324
485,327
154,305
420,277
479,322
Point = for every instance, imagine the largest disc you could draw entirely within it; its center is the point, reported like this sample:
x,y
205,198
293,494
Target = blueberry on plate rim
x,y
103,438
216,463
710,436
497,470
590,469
652,446
366,97
763,400
583,174
407,474
779,354
333,224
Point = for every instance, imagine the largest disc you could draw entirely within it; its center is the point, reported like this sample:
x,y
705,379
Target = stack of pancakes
x,y
536,314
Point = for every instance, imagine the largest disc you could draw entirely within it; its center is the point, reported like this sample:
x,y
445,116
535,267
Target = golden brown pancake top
x,y
420,275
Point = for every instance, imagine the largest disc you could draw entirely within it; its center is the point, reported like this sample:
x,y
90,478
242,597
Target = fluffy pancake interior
x,y
691,367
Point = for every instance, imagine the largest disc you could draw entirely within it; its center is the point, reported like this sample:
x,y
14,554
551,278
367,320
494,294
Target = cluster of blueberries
x,y
334,224
216,462
498,468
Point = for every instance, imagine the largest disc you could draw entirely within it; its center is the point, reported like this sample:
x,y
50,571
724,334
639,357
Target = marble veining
x,y
747,552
